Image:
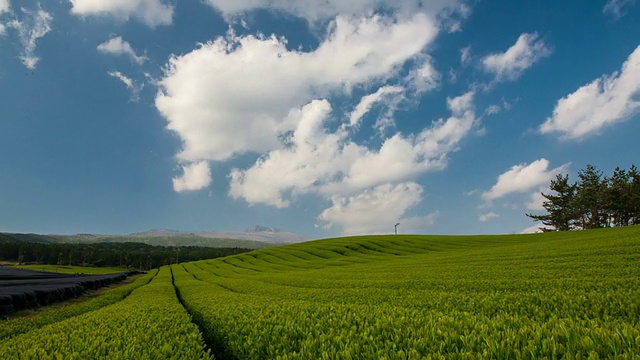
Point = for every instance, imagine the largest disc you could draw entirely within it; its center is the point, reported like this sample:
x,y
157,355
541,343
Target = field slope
x,y
557,295
573,295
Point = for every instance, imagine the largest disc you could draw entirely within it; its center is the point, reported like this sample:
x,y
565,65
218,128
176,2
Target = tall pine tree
x,y
561,213
618,199
590,198
634,195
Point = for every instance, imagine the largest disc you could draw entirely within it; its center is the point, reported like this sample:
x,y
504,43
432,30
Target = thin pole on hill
x,y
395,228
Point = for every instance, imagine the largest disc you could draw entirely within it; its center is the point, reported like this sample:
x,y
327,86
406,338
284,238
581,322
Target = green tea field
x,y
573,295
64,269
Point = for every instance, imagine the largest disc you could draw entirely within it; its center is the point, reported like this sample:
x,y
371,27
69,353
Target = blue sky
x,y
323,118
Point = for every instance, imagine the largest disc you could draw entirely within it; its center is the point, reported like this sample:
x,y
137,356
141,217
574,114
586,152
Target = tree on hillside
x,y
617,198
594,201
590,198
634,195
561,213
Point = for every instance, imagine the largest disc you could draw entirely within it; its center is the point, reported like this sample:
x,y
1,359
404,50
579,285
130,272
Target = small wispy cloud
x,y
117,46
617,8
34,26
465,55
510,64
130,83
4,8
493,109
488,216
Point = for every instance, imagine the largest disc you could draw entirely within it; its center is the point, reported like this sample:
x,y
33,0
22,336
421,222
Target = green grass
x,y
150,323
573,295
64,269
46,316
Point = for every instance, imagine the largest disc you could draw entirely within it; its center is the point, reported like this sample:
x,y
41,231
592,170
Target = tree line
x,y
125,255
594,201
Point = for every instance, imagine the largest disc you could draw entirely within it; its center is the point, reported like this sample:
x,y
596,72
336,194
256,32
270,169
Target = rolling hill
x,y
553,295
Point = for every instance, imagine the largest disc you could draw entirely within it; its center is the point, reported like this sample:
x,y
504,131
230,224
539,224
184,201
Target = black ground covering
x,y
22,289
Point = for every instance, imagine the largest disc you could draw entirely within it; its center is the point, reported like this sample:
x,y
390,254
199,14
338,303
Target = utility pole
x,y
396,228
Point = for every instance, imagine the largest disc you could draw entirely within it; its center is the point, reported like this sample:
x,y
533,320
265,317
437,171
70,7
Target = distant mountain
x,y
159,232
255,237
263,234
259,233
258,228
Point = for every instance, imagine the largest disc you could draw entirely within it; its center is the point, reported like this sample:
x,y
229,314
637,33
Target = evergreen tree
x,y
634,195
561,213
618,199
590,199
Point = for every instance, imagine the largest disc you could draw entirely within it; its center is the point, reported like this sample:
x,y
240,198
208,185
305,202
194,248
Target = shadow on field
x,y
214,341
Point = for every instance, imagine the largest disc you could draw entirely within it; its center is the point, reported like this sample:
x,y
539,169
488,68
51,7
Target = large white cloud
x,y
510,64
234,94
605,101
314,161
522,178
312,157
313,10
253,94
150,12
377,210
404,157
31,27
117,46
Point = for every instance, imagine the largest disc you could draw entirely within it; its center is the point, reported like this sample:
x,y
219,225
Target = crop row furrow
x,y
149,324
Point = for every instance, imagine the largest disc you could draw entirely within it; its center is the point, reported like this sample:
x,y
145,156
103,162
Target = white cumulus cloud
x,y
315,161
312,157
150,12
233,95
510,64
522,178
402,157
377,210
195,176
117,46
605,101
313,10
33,26
253,94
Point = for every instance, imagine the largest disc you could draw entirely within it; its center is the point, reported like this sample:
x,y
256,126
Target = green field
x,y
64,269
556,295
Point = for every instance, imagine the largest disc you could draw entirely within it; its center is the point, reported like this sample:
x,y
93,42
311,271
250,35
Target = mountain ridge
x,y
253,233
